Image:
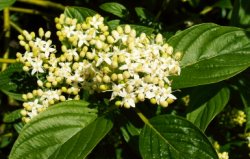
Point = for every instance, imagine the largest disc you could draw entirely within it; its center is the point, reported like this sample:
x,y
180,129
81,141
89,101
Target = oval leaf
x,y
64,130
79,13
204,113
168,136
211,53
115,9
6,3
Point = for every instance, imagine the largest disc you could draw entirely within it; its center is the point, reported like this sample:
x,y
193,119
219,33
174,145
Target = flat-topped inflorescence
x,y
131,67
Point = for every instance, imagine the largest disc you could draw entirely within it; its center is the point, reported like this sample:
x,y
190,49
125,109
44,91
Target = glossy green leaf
x,y
203,113
79,13
241,14
211,53
115,8
6,3
67,130
168,136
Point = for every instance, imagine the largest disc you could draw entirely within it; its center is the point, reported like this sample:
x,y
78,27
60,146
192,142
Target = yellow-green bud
x,y
159,39
106,79
118,103
119,30
23,112
114,77
26,68
24,96
62,98
127,29
177,56
41,32
110,39
48,84
141,97
153,101
103,87
164,103
120,77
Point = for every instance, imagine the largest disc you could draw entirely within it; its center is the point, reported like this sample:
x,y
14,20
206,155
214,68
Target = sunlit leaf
x,y
169,136
67,130
211,53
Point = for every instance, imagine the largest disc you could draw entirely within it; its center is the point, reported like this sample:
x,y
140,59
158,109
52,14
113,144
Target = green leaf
x,y
13,116
247,110
241,15
143,13
113,24
66,130
15,96
79,13
141,29
115,8
203,113
194,3
211,53
224,4
168,136
5,77
6,3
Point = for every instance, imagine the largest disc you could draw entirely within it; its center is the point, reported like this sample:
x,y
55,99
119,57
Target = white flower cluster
x,y
133,68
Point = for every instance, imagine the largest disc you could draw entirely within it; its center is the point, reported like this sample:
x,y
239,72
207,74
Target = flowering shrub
x,y
94,86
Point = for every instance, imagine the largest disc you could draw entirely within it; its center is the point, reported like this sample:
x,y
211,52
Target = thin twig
x,y
24,10
43,3
6,27
16,27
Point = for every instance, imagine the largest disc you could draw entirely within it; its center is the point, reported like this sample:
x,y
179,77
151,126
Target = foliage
x,y
209,119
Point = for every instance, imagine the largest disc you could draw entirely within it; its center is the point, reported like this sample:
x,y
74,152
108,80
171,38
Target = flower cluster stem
x,y
2,60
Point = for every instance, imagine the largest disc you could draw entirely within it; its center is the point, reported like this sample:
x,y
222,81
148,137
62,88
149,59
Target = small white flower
x,y
104,57
36,65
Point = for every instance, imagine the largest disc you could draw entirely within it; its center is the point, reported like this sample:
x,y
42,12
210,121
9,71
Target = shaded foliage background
x,y
165,16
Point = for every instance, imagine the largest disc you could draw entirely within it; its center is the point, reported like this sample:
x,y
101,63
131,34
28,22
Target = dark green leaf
x,y
224,4
168,136
211,53
241,13
194,3
247,110
6,3
79,13
15,96
113,24
11,117
143,13
115,9
141,29
5,77
67,130
203,113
